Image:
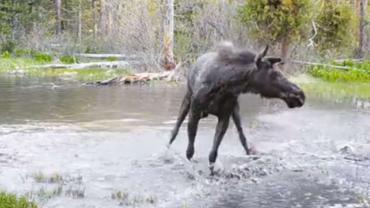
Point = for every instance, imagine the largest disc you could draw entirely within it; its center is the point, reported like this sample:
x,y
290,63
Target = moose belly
x,y
220,105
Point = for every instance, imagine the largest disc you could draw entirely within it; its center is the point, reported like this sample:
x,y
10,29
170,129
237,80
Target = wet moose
x,y
214,84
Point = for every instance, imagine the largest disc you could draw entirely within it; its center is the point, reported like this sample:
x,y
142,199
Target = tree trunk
x,y
285,49
104,18
168,25
58,8
12,22
361,10
110,21
95,20
79,27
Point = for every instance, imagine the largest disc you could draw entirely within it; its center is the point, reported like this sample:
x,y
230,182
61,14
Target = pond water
x,y
67,145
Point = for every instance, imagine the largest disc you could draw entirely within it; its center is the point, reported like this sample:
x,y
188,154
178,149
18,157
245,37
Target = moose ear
x,y
259,57
273,60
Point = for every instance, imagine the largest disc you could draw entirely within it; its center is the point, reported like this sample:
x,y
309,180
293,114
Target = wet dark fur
x,y
215,82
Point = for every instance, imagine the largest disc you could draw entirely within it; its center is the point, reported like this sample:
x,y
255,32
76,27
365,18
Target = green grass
x,y
127,199
111,59
358,72
22,52
12,201
332,90
25,67
42,178
11,64
42,57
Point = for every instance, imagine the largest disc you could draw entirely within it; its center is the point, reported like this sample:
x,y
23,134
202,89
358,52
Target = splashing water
x,y
73,146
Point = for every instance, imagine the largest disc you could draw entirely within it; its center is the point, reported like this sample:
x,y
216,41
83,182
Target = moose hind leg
x,y
237,121
222,125
182,115
192,131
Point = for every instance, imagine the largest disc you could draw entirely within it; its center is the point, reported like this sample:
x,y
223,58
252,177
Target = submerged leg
x,y
223,123
237,121
182,115
192,131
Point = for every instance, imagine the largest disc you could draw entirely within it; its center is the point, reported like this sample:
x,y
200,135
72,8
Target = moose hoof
x,y
189,154
251,150
212,168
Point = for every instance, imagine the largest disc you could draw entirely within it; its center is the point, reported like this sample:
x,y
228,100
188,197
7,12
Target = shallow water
x,y
67,145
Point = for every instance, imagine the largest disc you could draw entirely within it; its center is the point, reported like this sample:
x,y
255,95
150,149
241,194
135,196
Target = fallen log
x,y
140,78
103,56
135,78
341,61
321,64
102,65
329,66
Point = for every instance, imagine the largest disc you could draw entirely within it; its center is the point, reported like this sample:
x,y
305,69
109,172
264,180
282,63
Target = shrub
x,y
335,24
6,55
358,72
68,59
22,52
275,20
7,46
12,201
183,44
41,57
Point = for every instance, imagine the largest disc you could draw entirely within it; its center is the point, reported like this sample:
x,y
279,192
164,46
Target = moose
x,y
214,84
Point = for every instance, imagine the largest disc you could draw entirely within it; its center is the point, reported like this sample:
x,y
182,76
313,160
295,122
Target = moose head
x,y
269,82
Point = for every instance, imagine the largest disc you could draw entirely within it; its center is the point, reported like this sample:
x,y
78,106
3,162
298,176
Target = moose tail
x,y
185,106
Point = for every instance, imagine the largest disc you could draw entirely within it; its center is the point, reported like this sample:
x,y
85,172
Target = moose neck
x,y
237,67
237,79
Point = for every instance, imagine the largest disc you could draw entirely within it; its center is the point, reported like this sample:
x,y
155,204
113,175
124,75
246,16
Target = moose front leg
x,y
237,121
222,125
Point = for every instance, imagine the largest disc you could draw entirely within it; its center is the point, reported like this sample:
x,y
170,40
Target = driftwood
x,y
141,78
341,61
136,78
103,65
103,56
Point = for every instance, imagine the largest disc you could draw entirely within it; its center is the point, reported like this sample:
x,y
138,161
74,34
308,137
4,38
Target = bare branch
x,y
311,40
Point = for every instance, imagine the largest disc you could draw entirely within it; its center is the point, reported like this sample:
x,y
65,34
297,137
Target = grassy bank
x,y
27,66
356,72
333,90
12,201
